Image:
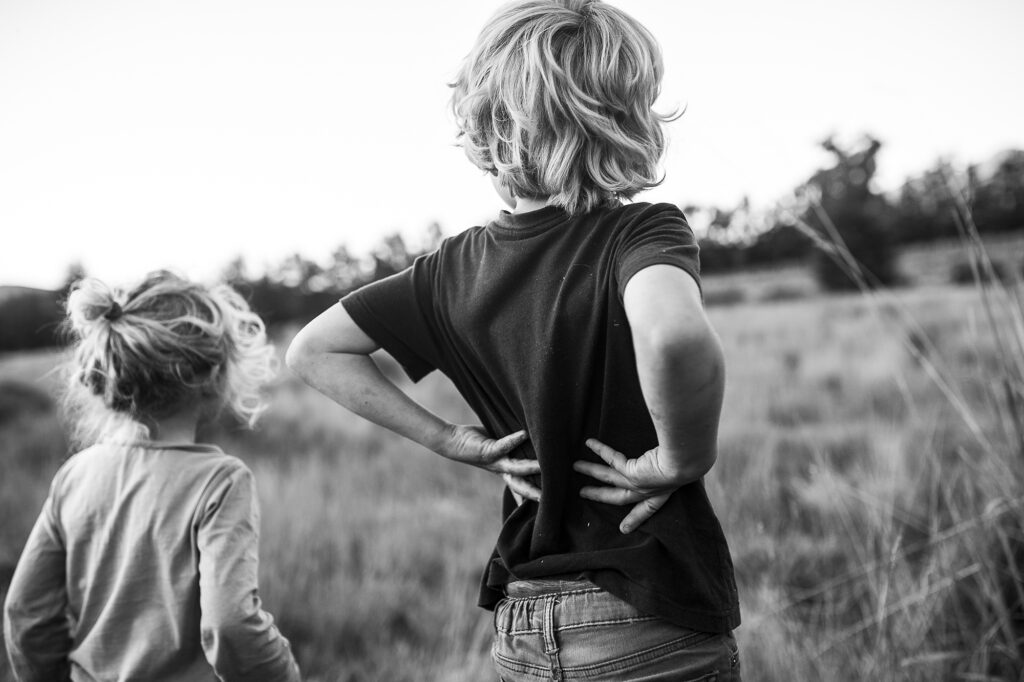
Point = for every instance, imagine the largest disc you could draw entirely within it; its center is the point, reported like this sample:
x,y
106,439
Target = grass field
x,y
876,521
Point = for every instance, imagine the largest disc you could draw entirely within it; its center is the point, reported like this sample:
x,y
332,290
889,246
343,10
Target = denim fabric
x,y
574,630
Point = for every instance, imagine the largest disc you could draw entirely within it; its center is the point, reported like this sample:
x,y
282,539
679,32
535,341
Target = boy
x,y
570,322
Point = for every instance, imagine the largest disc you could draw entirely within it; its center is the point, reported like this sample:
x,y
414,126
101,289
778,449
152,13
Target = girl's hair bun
x,y
92,304
164,345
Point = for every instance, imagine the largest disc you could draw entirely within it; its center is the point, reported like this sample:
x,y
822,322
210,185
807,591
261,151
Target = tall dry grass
x,y
869,480
905,560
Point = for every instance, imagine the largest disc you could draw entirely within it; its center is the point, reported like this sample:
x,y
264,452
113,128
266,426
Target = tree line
x,y
839,200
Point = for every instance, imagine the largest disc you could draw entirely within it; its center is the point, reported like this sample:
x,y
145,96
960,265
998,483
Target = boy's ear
x,y
504,191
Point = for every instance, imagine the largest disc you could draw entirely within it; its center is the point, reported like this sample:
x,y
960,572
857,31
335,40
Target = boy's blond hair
x,y
556,98
163,346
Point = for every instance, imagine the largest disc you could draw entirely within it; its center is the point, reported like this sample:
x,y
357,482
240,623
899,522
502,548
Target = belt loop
x,y
550,643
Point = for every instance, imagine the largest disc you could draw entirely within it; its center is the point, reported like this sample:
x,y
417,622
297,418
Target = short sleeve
x,y
396,311
658,235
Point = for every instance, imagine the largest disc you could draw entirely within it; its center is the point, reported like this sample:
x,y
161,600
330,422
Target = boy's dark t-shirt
x,y
525,316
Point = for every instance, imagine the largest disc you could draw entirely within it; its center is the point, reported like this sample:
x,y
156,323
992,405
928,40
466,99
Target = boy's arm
x,y
239,638
36,629
682,375
332,354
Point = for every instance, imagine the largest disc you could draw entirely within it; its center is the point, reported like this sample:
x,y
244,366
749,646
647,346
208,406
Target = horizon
x,y
697,222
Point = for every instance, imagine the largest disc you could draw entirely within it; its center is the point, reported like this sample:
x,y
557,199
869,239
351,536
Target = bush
x,y
785,293
31,318
963,273
730,296
860,217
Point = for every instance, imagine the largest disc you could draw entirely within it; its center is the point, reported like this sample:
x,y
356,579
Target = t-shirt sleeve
x,y
659,235
396,312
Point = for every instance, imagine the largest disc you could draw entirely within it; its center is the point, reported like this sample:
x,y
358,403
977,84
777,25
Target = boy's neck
x,y
524,205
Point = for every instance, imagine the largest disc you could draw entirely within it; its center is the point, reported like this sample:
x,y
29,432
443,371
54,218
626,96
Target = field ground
x,y
876,527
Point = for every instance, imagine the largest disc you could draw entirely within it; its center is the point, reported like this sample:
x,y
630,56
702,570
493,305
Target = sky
x,y
138,134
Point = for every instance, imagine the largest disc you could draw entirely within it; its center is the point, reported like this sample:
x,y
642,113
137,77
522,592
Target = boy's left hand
x,y
643,482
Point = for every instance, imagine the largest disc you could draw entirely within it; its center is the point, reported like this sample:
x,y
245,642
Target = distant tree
x,y
298,272
236,272
842,195
345,271
780,243
297,289
740,237
718,257
723,235
870,225
74,273
31,318
925,206
997,192
294,291
711,227
391,256
434,236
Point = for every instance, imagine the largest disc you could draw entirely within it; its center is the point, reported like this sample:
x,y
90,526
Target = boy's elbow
x,y
299,355
688,342
693,467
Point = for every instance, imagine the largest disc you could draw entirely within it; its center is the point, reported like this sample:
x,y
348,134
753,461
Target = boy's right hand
x,y
472,445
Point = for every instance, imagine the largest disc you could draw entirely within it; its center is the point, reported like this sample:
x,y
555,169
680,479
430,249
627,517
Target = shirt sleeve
x,y
36,629
659,235
396,313
239,638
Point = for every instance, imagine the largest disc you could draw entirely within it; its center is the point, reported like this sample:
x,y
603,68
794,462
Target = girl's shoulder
x,y
106,461
81,461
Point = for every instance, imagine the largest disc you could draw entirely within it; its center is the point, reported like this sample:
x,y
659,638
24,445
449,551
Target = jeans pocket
x,y
692,657
734,651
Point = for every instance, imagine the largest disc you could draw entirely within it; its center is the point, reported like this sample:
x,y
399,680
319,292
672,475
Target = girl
x,y
574,321
142,564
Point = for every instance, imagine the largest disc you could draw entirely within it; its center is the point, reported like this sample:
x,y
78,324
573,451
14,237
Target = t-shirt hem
x,y
663,606
647,602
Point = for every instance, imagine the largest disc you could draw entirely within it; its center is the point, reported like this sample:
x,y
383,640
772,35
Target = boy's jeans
x,y
574,630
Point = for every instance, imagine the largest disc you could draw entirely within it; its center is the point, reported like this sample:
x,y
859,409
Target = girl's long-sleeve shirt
x,y
143,566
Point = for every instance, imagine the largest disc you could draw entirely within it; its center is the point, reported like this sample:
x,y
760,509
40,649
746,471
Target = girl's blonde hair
x,y
158,348
556,98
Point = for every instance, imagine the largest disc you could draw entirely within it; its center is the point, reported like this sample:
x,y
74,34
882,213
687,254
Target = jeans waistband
x,y
542,586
